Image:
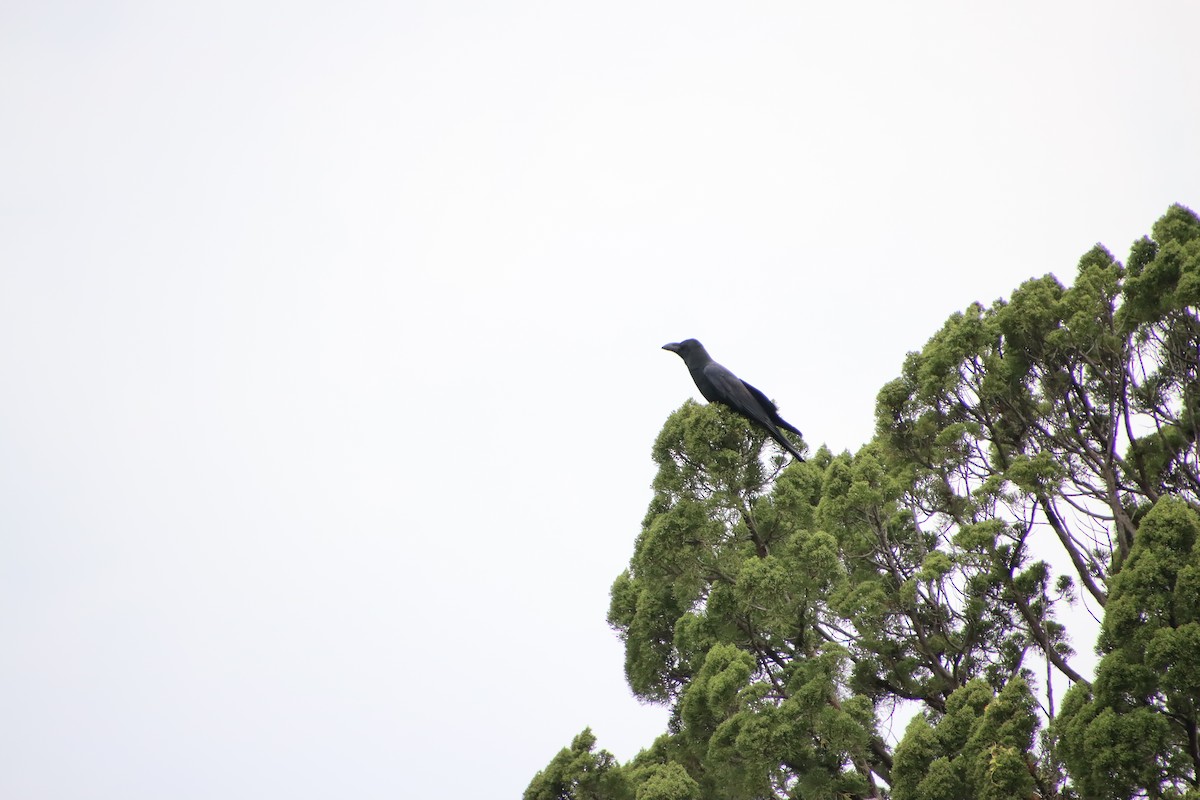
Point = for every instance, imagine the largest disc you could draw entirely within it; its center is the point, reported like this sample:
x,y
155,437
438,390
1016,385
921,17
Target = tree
x,y
979,748
580,773
1134,731
783,614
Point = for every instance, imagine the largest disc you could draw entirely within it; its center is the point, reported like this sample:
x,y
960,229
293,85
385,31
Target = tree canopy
x,y
1036,455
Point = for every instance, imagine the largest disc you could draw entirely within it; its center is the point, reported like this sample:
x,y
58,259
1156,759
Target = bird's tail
x,y
779,437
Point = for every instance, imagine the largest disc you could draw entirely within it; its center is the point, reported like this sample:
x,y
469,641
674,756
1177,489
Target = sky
x,y
330,336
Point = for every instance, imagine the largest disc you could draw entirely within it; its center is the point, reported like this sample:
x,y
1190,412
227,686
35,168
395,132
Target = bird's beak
x,y
673,347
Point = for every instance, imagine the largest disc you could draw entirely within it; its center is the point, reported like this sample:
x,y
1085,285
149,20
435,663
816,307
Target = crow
x,y
719,385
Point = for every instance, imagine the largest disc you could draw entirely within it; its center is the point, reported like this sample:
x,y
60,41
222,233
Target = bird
x,y
719,385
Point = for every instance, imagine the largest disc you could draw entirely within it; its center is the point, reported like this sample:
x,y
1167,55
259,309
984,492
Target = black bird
x,y
719,385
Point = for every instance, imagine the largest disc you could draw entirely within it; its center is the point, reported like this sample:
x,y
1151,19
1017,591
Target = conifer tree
x,y
785,614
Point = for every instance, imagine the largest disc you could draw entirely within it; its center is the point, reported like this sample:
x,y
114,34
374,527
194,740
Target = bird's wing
x,y
787,426
767,404
772,410
749,402
739,395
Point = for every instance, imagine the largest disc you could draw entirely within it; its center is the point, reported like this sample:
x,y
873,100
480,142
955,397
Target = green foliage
x,y
784,613
668,781
1135,730
580,773
1165,274
980,748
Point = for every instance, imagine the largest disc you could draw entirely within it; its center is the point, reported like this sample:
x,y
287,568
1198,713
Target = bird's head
x,y
685,349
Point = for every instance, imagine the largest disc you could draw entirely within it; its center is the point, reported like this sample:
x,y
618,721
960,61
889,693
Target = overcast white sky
x,y
329,336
